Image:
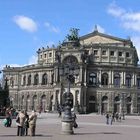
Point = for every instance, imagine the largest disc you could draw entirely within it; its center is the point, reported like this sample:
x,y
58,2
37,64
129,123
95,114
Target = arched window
x,y
70,59
104,79
138,82
36,79
52,78
128,80
117,99
24,80
117,80
29,80
128,99
34,103
44,79
92,79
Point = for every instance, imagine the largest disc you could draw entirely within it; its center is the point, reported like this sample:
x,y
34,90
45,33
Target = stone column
x,y
81,74
135,79
32,78
49,77
100,77
134,103
124,78
99,99
26,78
21,79
112,78
85,76
40,78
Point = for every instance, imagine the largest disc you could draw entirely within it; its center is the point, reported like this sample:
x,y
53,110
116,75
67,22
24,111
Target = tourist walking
x,y
59,109
8,117
117,116
107,118
74,117
32,123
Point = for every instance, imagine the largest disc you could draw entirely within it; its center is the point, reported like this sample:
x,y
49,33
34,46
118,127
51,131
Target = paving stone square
x,y
91,127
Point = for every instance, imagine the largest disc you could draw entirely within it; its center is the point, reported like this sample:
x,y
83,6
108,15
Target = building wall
x,y
100,55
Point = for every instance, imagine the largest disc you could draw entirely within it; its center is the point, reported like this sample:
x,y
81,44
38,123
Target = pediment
x,y
94,38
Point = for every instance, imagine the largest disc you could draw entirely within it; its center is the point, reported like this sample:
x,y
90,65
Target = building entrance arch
x,y
104,107
28,103
43,103
128,105
92,104
117,104
34,106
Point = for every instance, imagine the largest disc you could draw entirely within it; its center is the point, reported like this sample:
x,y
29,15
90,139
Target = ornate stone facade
x,y
108,80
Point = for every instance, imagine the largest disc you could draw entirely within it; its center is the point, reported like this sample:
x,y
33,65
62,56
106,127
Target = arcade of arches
x,y
36,103
119,103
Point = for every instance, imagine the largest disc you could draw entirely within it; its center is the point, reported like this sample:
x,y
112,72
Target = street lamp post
x,y
68,71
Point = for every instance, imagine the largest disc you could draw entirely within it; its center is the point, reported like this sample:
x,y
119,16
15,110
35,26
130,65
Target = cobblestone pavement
x,y
91,127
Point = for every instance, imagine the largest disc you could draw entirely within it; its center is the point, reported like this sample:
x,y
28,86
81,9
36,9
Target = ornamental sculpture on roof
x,y
73,36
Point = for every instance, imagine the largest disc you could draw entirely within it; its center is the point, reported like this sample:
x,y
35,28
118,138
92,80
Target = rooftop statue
x,y
73,36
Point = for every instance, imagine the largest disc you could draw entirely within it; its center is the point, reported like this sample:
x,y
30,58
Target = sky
x,y
27,25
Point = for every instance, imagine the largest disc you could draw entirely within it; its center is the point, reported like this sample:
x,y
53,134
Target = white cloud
x,y
115,10
135,26
100,29
129,20
25,23
32,60
51,27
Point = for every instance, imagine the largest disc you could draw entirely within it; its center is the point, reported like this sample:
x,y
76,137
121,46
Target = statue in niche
x,y
85,57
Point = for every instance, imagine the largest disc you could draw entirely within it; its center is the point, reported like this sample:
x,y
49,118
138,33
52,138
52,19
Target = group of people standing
x,y
25,121
110,118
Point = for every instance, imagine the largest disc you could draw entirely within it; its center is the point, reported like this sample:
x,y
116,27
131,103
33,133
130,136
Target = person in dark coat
x,y
26,124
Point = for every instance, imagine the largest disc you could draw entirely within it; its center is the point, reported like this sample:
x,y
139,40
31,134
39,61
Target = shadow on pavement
x,y
110,133
38,135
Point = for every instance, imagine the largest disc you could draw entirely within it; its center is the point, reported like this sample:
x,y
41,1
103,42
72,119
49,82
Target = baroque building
x,y
108,79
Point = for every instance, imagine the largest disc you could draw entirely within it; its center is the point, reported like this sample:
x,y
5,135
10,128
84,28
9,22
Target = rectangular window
x,y
45,55
120,53
104,52
95,52
127,54
138,82
50,54
112,53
